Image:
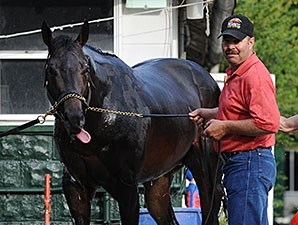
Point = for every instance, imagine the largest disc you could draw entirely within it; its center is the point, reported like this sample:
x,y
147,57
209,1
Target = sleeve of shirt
x,y
261,100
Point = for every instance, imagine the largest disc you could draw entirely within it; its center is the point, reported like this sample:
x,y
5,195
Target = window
x,y
22,89
22,57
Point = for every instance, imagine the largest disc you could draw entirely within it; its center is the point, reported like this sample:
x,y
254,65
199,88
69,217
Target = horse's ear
x,y
46,34
84,34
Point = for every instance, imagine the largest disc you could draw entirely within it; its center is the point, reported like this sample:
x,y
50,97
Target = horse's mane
x,y
66,42
98,50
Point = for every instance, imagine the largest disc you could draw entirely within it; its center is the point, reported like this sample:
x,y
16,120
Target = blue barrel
x,y
185,216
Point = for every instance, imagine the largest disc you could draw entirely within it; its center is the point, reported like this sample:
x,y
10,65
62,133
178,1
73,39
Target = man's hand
x,y
289,124
201,115
215,129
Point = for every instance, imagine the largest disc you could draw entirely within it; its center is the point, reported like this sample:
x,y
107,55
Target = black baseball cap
x,y
237,26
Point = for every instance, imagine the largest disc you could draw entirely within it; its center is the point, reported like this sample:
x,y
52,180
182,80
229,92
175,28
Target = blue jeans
x,y
248,177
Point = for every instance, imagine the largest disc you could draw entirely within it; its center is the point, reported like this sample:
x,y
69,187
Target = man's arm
x,y
218,128
289,124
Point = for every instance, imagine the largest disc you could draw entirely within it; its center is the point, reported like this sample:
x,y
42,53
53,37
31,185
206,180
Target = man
x,y
243,125
192,197
294,220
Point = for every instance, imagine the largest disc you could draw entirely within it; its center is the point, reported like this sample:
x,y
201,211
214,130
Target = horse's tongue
x,y
83,136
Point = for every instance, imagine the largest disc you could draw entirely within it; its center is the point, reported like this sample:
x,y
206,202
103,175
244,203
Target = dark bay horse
x,y
102,142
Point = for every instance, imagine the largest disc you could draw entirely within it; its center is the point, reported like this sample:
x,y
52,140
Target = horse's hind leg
x,y
158,201
205,164
78,199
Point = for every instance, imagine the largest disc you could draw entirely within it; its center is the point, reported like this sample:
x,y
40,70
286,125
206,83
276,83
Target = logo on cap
x,y
238,26
234,23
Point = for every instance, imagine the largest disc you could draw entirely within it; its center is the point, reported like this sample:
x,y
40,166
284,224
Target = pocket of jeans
x,y
235,171
267,170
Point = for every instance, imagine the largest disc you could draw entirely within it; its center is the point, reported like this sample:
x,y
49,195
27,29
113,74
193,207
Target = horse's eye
x,y
50,71
86,71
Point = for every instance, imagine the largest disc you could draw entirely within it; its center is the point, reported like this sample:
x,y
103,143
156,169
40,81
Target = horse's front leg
x,y
78,198
128,200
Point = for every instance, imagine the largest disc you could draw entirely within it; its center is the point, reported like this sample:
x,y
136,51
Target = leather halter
x,y
64,97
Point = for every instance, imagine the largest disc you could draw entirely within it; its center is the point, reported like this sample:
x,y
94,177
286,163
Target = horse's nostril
x,y
82,120
74,121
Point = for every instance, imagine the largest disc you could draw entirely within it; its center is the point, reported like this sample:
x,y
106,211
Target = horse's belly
x,y
164,151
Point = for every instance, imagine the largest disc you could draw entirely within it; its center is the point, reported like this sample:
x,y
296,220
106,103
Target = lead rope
x,y
42,118
133,114
214,183
121,113
54,111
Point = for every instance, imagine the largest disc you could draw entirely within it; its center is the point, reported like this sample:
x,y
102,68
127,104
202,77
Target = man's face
x,y
237,51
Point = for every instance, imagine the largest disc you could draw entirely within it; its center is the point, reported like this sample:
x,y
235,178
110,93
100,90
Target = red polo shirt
x,y
249,93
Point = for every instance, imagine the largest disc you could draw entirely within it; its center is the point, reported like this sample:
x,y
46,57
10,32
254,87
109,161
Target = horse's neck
x,y
102,57
110,74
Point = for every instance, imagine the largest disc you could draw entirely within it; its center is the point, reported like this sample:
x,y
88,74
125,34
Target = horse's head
x,y
67,76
